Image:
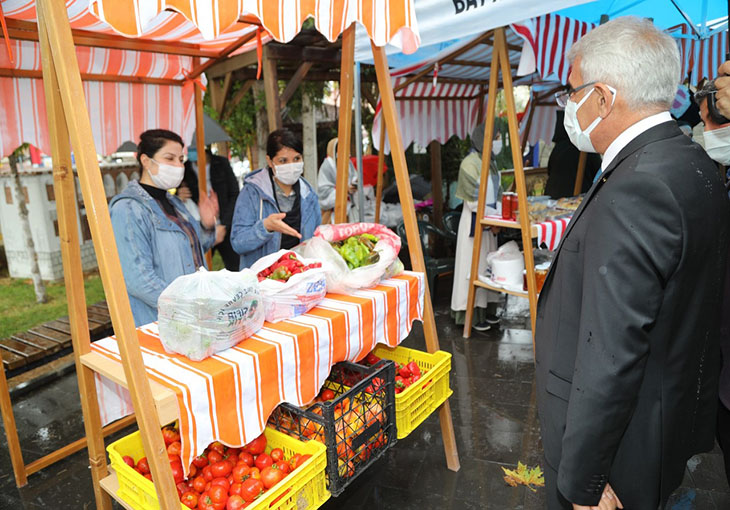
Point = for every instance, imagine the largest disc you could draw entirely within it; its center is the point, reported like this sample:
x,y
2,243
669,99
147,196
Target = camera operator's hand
x,y
722,97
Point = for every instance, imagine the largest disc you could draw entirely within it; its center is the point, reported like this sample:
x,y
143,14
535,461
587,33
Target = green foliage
x,y
240,121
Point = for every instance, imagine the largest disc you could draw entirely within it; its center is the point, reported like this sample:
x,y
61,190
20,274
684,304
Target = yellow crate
x,y
422,398
304,488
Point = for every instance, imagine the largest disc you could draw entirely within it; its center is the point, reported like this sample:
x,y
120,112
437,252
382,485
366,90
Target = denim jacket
x,y
153,250
256,201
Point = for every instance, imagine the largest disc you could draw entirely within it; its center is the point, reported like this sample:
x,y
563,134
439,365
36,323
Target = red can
x,y
507,206
515,205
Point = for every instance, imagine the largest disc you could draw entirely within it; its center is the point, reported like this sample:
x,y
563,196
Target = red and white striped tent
x,y
127,90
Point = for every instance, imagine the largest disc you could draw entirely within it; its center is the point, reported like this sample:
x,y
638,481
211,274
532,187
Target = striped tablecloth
x,y
229,396
550,232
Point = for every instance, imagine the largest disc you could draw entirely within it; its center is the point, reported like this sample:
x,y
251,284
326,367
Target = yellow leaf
x,y
524,475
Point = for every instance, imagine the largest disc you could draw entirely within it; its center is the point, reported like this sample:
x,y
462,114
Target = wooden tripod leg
x,y
11,431
379,182
54,21
580,173
414,242
483,185
344,129
65,193
514,136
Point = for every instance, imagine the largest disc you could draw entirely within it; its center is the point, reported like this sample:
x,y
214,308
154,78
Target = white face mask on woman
x,y
167,176
717,144
289,173
581,138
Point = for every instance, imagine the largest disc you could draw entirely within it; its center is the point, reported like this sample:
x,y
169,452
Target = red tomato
x,y
327,394
240,473
245,457
173,458
293,461
222,482
208,474
170,435
222,468
263,461
257,446
218,447
233,451
251,489
174,448
182,488
205,502
214,456
284,466
235,503
232,457
271,475
148,476
255,473
189,499
199,484
177,472
218,494
143,466
235,489
276,455
128,460
192,472
200,461
302,460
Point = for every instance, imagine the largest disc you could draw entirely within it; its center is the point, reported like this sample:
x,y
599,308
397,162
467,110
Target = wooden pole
x,y
397,151
514,136
582,159
271,86
483,186
54,20
528,125
64,185
379,182
436,189
202,156
11,431
344,131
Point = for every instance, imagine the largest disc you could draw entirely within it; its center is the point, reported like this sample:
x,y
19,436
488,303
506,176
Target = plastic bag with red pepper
x,y
290,284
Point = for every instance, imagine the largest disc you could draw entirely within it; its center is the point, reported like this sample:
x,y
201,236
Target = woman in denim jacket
x,y
276,208
157,238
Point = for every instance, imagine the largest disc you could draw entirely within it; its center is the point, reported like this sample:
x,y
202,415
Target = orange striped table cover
x,y
229,396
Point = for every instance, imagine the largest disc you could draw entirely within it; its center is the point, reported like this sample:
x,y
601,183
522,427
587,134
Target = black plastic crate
x,y
357,426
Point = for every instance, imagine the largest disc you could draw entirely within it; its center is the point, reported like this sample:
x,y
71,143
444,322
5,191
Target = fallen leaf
x,y
529,477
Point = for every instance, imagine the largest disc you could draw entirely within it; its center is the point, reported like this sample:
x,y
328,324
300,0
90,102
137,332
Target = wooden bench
x,y
40,344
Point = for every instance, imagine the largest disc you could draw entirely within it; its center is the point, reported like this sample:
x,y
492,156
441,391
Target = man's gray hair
x,y
633,56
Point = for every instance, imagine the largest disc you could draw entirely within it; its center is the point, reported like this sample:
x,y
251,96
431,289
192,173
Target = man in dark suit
x,y
223,181
627,350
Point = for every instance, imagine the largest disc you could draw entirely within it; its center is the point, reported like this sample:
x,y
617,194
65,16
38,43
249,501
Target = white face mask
x,y
581,138
167,176
289,174
717,144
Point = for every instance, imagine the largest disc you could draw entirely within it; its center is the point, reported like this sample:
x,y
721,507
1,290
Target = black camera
x,y
709,91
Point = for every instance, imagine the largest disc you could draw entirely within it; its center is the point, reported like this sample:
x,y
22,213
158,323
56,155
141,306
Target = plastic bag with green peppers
x,y
358,250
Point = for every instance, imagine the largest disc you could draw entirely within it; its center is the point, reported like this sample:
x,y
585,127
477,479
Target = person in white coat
x,y
327,180
467,189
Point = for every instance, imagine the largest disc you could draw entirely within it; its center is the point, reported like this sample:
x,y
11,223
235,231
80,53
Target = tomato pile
x,y
284,268
223,478
405,375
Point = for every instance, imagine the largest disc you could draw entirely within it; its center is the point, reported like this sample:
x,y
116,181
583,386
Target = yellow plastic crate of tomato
x,y
419,400
304,488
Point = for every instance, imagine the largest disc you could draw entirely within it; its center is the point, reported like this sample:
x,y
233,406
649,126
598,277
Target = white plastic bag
x,y
302,292
206,312
340,278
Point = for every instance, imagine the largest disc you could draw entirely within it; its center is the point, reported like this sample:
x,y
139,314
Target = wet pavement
x,y
495,422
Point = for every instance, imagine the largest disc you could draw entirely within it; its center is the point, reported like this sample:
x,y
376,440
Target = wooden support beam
x,y
233,64
476,63
288,52
11,430
201,68
436,191
28,31
344,131
379,182
294,83
54,21
271,88
528,125
240,93
27,73
390,119
227,83
480,111
580,173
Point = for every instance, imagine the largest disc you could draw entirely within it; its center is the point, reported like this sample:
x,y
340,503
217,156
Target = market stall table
x,y
229,396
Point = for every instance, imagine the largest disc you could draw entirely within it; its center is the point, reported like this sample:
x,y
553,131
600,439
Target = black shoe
x,y
482,326
492,318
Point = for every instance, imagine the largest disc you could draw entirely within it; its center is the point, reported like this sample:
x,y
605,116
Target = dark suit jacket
x,y
222,180
627,351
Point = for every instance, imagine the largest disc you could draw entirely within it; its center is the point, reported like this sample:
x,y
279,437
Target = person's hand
x,y
609,501
208,208
220,234
352,189
722,96
183,192
275,223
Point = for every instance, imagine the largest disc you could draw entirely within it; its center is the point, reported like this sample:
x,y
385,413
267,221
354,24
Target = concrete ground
x,y
494,415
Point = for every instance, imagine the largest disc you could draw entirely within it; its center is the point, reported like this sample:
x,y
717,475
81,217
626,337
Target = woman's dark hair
x,y
282,138
153,140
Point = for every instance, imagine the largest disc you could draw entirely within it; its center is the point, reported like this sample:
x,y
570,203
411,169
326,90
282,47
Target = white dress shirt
x,y
629,134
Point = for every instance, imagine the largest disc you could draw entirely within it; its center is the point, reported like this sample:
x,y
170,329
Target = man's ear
x,y
606,100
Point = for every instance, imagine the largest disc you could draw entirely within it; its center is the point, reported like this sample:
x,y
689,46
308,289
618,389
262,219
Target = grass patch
x,y
20,310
